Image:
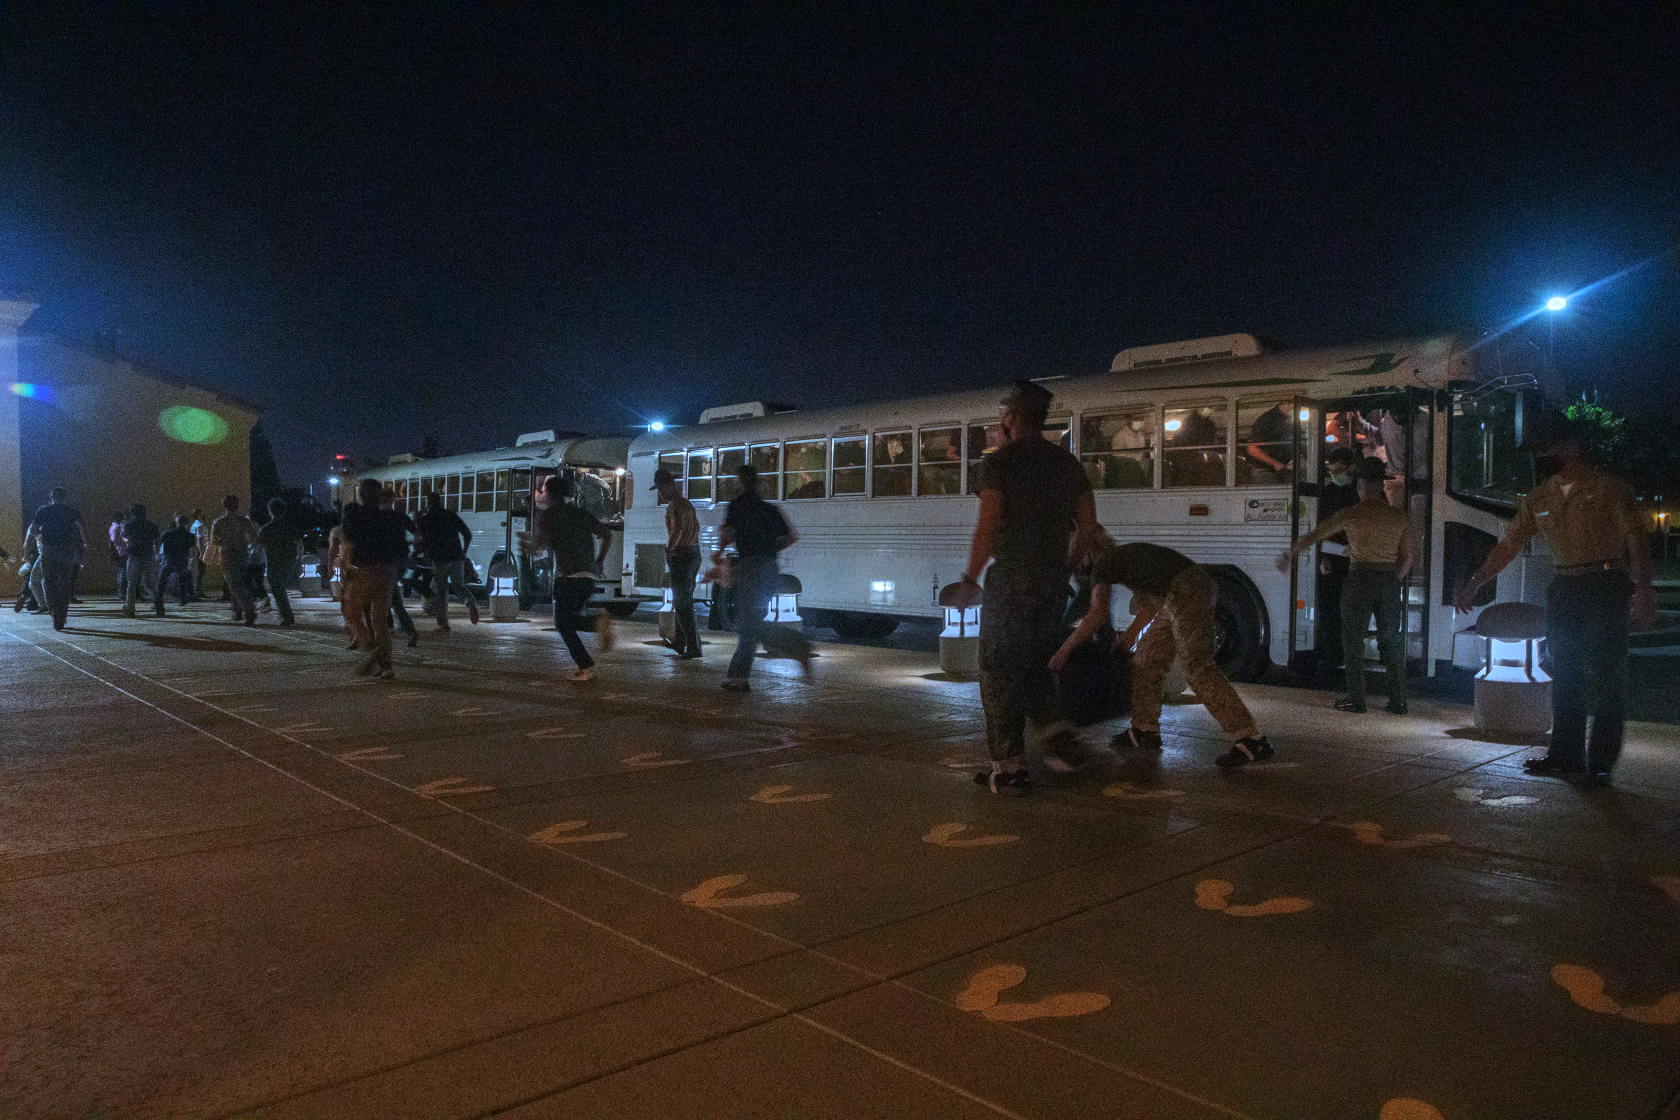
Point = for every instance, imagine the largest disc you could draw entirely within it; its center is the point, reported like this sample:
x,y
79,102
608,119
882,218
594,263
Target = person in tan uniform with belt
x,y
1602,580
1381,551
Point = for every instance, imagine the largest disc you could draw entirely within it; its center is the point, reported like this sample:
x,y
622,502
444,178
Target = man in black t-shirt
x,y
139,543
378,542
281,545
1034,498
61,542
569,533
758,531
177,543
445,538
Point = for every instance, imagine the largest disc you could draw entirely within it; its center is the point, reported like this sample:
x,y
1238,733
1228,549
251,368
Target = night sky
x,y
471,224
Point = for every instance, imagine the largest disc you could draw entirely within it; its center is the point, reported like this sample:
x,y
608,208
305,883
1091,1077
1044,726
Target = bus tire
x,y
619,609
1239,624
856,626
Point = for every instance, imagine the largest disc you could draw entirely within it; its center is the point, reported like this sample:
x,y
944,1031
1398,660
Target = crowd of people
x,y
1037,528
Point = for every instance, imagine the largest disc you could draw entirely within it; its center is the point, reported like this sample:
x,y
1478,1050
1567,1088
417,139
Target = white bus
x,y
882,495
495,494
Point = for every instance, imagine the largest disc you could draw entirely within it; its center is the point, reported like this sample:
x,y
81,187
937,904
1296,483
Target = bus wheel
x,y
620,610
1239,630
858,627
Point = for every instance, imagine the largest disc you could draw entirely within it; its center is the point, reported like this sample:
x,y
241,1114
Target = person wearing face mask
x,y
1339,492
1601,581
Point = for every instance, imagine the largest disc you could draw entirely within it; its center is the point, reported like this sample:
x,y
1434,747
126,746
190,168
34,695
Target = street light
x,y
1557,303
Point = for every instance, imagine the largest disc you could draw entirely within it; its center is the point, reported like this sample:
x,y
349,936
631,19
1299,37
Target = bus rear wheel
x,y
855,626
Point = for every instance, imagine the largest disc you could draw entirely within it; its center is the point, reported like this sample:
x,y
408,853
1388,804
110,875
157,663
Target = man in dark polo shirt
x,y
758,532
1034,496
139,545
60,543
1174,598
177,543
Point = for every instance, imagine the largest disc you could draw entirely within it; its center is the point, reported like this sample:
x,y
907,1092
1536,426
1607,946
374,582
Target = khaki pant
x,y
1184,628
367,608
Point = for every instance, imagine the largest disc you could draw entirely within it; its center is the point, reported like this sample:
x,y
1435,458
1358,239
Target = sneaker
x,y
1349,704
582,675
733,685
367,668
691,655
1244,751
1396,707
158,614
472,611
1546,764
287,623
443,628
128,612
804,660
386,674
413,638
1134,737
1014,782
1593,779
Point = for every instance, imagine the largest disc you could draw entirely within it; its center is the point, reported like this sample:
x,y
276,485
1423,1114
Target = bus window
x,y
413,492
767,458
1265,443
519,494
453,501
1488,464
730,460
807,469
939,461
983,439
438,486
700,475
1058,432
1118,449
501,503
484,498
891,452
672,461
1194,453
848,465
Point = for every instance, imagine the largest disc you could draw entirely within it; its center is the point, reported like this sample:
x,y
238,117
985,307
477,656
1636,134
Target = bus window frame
x,y
1151,450
787,470
709,478
908,466
862,440
724,475
940,426
1223,404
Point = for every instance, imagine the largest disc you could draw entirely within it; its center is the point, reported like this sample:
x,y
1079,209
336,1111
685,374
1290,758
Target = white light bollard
x,y
309,576
784,604
959,642
335,585
504,591
1513,694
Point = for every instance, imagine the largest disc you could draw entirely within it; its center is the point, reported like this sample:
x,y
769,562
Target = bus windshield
x,y
1488,463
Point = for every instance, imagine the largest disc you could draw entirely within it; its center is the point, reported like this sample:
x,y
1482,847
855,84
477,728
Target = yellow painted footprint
x,y
1474,796
984,987
650,760
777,795
559,834
1215,894
1370,832
370,754
706,895
1406,1108
1586,988
944,835
1668,884
1131,791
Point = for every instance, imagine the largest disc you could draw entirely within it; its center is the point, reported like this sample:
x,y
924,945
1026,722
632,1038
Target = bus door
x,y
1305,619
1396,427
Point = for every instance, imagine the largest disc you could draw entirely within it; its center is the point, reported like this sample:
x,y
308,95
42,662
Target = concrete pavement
x,y
240,881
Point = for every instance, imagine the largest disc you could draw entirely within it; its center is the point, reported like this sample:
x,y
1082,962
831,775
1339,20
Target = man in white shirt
x,y
682,559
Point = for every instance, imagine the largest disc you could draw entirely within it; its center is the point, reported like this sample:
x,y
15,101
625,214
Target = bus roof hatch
x,y
745,411
1183,353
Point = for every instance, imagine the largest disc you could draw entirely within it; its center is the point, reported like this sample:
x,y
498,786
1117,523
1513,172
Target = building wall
x,y
12,315
95,430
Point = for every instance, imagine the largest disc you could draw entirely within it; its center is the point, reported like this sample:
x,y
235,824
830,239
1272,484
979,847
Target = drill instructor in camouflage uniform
x,y
1033,497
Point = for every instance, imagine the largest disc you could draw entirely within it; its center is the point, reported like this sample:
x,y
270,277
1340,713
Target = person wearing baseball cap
x,y
682,559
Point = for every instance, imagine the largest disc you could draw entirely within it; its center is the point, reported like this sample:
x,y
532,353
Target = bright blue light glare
x,y
657,426
1557,303
24,389
333,481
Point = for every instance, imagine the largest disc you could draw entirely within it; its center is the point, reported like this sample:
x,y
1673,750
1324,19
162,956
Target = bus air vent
x,y
1183,353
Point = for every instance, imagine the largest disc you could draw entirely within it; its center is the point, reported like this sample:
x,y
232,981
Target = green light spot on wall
x,y
192,425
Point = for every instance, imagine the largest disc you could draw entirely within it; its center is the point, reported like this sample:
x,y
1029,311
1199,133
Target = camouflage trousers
x,y
1184,629
1020,629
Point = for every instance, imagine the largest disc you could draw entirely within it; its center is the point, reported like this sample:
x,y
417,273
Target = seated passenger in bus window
x,y
1271,446
1196,451
892,465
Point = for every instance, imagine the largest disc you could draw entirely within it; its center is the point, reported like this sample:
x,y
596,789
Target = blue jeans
x,y
139,571
684,565
570,595
754,582
447,575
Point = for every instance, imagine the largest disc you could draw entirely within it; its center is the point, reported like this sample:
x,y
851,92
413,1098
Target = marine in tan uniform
x,y
1602,580
1381,551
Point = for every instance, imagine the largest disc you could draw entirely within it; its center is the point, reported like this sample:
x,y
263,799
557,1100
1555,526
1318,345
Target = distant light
x,y
333,481
192,425
338,456
1557,303
1306,414
657,426
1173,425
25,389
619,471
